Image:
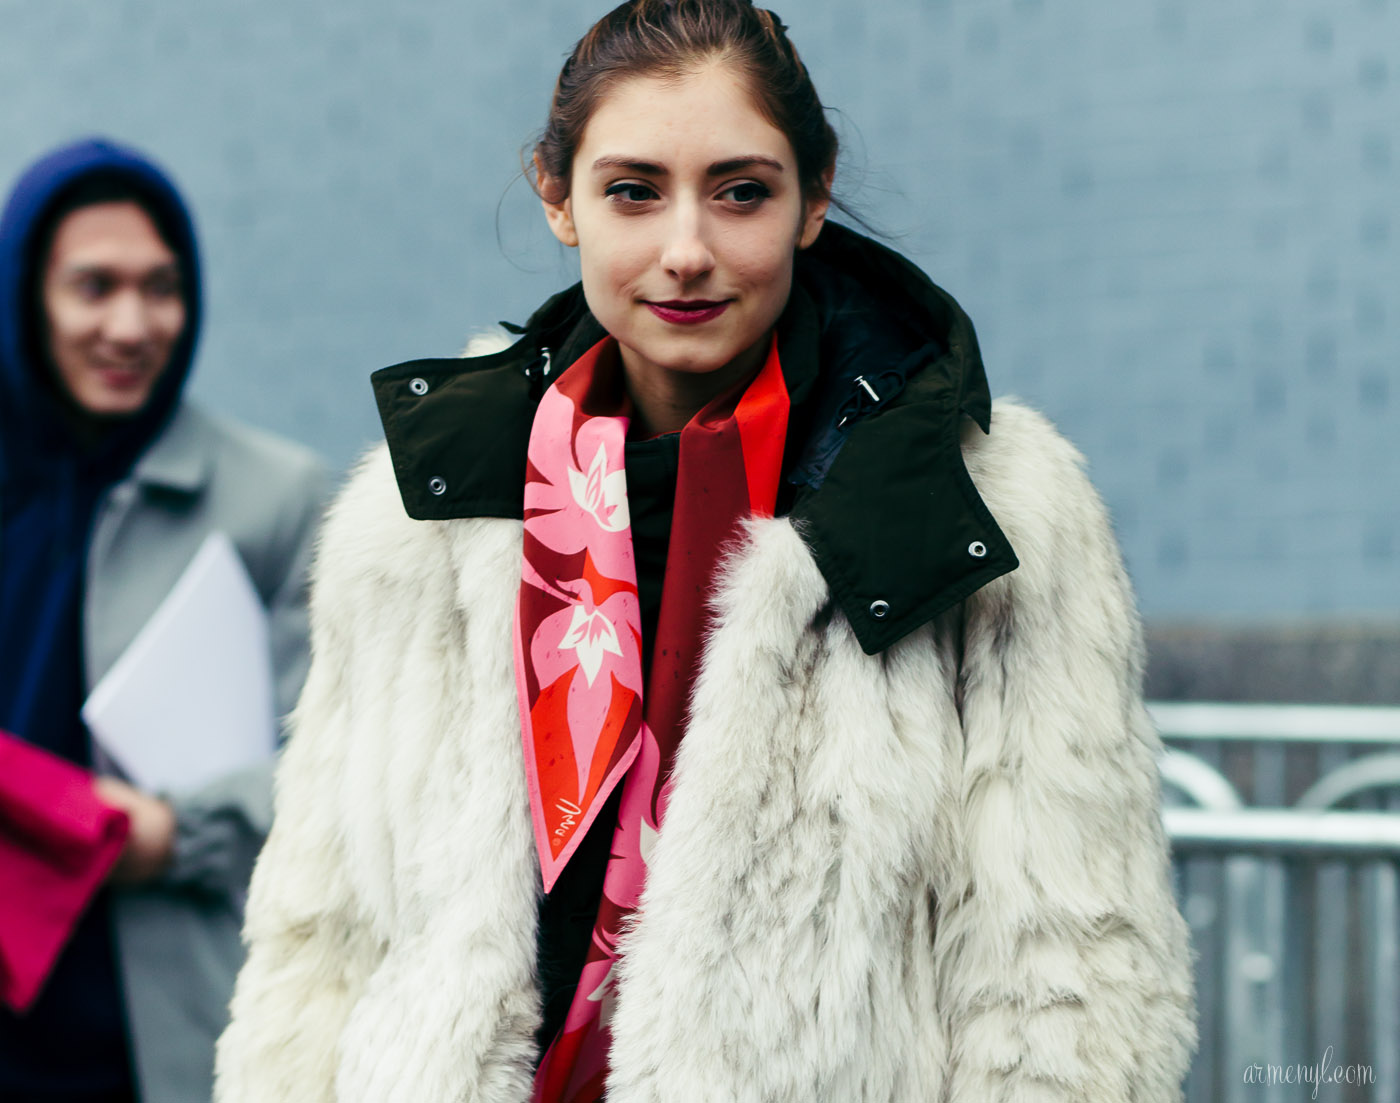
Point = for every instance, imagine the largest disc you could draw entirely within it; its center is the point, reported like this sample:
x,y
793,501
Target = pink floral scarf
x,y
588,721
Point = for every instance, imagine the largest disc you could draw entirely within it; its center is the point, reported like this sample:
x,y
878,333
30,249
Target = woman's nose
x,y
686,255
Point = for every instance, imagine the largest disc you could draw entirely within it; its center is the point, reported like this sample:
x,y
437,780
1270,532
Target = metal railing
x,y
1285,830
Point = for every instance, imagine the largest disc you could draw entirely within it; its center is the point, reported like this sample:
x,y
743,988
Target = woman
x,y
700,737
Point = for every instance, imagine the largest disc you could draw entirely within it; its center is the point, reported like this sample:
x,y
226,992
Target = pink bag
x,y
57,844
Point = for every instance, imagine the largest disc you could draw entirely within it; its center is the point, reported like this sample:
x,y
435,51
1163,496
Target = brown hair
x,y
671,38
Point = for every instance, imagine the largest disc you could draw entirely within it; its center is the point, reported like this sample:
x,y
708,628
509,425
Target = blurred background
x,y
1174,222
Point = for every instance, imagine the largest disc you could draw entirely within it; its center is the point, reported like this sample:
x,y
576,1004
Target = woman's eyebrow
x,y
740,164
629,164
719,168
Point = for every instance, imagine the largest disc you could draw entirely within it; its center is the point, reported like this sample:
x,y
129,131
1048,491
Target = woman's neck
x,y
664,400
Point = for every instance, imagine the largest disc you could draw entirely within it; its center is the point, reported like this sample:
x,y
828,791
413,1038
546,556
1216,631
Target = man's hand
x,y
151,843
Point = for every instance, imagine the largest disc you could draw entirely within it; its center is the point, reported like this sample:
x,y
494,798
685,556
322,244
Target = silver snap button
x,y
438,485
879,609
977,550
418,386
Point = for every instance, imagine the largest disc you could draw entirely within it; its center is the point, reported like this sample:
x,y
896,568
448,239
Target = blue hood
x,y
30,420
53,472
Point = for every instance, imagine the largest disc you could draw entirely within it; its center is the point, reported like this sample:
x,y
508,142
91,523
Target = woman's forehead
x,y
685,123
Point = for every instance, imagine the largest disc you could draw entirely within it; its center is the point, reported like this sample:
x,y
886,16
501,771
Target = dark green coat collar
x,y
876,485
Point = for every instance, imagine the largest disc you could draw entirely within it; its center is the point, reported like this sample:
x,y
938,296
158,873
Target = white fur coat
x,y
932,875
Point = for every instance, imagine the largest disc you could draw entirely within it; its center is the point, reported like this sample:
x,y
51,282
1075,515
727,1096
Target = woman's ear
x,y
558,213
814,212
561,220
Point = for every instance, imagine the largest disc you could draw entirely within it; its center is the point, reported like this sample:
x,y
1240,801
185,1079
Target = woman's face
x,y
686,208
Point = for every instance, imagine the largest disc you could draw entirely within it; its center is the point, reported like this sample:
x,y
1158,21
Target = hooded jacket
x,y
912,849
50,481
93,534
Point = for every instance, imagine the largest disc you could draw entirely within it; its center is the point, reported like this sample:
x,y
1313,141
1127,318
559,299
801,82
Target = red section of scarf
x,y
730,464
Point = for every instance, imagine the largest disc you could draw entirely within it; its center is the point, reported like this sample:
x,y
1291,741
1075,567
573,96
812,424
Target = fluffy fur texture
x,y
860,893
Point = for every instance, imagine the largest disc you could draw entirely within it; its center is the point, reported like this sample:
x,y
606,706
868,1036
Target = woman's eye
x,y
748,194
630,192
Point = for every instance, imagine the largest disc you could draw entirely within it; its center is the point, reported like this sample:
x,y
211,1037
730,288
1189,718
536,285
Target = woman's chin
x,y
694,357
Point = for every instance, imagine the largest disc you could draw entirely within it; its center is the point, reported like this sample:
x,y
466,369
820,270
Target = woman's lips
x,y
688,313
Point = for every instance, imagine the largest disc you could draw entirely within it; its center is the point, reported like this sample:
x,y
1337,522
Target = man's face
x,y
114,307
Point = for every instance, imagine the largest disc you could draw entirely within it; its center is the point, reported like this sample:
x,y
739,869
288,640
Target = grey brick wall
x,y
1173,221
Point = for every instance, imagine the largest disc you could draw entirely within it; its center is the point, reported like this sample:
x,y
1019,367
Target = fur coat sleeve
x,y
1063,962
342,992
933,875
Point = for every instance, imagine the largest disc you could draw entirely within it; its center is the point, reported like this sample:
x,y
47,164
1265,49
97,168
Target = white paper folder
x,y
191,697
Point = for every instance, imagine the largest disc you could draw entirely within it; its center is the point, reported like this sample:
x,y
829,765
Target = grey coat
x,y
178,939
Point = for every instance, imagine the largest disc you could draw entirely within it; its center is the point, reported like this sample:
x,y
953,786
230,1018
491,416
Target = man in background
x,y
109,483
